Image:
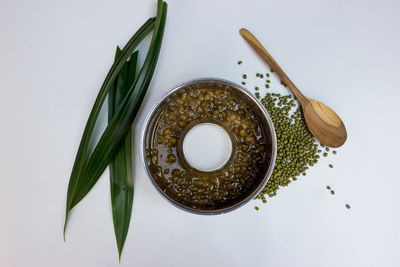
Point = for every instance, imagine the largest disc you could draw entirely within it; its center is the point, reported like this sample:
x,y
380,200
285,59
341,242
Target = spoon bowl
x,y
324,123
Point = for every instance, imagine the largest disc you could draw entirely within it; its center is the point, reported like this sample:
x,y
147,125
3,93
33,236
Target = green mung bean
x,y
297,149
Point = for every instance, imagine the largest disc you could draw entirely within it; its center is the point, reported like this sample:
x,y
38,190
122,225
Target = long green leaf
x,y
121,170
117,130
83,154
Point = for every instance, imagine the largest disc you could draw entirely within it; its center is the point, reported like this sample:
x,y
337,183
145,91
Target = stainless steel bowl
x,y
263,118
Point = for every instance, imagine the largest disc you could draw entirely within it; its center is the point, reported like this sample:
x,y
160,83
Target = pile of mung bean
x,y
297,149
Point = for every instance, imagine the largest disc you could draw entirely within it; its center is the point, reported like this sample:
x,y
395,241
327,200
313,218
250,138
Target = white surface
x,y
207,147
54,57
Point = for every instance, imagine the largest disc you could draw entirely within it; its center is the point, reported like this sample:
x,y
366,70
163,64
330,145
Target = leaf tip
x,y
119,254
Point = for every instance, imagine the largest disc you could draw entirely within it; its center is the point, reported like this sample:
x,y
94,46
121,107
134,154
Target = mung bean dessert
x,y
231,183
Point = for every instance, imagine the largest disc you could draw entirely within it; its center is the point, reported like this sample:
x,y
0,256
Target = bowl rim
x,y
225,209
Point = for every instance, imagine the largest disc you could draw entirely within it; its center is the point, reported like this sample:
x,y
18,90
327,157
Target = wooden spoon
x,y
324,124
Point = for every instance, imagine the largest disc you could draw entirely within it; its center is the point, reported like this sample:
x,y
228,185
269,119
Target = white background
x,y
54,56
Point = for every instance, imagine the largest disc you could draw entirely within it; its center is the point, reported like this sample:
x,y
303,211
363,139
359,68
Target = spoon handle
x,y
263,53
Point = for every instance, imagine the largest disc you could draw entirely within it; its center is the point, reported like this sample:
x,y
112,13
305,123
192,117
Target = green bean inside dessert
x,y
233,181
